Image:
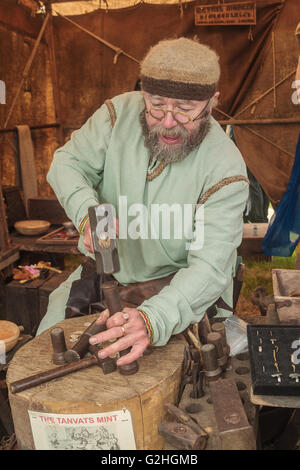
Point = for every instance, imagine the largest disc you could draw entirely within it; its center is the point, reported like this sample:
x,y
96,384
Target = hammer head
x,y
104,238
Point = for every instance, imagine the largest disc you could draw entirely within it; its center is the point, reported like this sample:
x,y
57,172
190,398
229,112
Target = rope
x,y
257,134
117,50
24,75
265,93
27,68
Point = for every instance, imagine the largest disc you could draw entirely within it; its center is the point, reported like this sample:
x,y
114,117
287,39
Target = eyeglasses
x,y
179,116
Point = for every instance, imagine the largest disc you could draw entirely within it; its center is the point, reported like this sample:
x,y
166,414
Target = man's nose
x,y
168,121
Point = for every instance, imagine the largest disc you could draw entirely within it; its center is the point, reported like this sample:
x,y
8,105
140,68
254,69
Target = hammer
x,y
107,262
61,371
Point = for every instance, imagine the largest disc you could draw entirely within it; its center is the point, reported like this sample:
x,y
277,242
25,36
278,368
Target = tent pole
x,y
250,122
27,68
258,135
54,74
264,94
117,50
4,236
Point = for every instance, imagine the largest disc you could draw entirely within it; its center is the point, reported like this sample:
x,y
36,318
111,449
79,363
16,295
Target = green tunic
x,y
102,164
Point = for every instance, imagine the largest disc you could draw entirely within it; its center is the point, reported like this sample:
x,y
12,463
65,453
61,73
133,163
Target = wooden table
x,y
251,244
29,243
9,256
253,236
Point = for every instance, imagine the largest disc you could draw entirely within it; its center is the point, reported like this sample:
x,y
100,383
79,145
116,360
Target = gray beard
x,y
173,153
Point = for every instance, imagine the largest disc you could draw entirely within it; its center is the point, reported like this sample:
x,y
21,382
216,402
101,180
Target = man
x,y
162,148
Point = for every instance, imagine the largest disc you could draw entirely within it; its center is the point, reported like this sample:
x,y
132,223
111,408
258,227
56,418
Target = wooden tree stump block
x,y
90,391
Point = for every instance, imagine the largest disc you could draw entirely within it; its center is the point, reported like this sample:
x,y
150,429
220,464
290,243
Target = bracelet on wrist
x,y
148,324
82,224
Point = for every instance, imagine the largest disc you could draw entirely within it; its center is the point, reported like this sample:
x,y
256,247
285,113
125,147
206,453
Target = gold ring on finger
x,y
123,330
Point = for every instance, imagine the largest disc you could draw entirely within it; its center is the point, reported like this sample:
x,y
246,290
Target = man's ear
x,y
215,98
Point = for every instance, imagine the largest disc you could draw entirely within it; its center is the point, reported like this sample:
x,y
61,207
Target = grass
x,y
259,273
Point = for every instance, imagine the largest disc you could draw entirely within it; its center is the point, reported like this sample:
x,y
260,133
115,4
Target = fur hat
x,y
180,68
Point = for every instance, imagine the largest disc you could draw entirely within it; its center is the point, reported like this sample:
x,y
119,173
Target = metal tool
x,y
210,362
216,339
232,423
219,327
113,302
107,262
197,373
104,239
108,364
61,371
186,377
185,433
278,374
59,345
295,375
80,349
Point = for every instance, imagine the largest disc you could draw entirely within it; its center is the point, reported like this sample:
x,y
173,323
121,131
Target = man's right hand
x,y
87,235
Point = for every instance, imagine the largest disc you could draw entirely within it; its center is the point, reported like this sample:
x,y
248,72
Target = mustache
x,y
174,132
172,153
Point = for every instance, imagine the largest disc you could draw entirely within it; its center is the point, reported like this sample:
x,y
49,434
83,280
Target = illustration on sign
x,y
93,431
239,13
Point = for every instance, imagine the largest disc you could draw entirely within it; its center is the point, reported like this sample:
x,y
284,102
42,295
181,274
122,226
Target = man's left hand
x,y
128,328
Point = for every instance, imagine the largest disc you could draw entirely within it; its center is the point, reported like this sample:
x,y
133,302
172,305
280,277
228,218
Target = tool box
x,y
15,209
26,304
274,352
286,284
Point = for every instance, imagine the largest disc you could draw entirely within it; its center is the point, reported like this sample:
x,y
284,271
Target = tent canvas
x,y
258,70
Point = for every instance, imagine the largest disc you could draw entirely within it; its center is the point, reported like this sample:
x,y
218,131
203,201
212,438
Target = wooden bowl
x,y
9,333
32,227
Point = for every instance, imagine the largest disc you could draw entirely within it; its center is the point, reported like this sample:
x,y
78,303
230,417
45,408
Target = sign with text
x,y
227,14
92,431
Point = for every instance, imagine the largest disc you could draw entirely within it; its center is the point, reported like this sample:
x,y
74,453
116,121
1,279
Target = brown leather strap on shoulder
x,y
112,112
221,184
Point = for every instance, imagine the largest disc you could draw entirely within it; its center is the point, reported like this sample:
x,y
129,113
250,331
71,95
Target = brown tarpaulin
x,y
87,74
